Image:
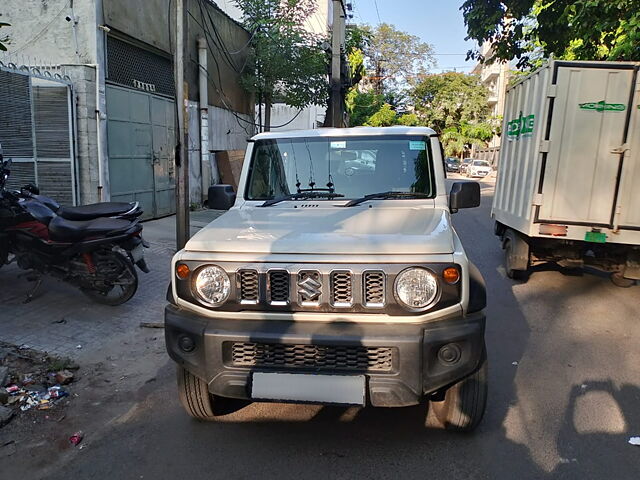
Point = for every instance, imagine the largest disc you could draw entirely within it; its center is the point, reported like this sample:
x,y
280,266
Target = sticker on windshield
x,y
342,144
417,145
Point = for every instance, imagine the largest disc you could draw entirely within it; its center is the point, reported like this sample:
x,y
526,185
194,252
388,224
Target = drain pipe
x,y
208,169
96,66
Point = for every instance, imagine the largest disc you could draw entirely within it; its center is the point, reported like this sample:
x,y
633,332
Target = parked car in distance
x,y
478,168
331,284
452,164
464,165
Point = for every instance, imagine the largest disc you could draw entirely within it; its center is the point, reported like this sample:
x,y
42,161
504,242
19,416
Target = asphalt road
x,y
564,400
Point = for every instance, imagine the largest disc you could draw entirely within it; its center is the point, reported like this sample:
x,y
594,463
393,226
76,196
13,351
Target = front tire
x,y
464,402
199,403
194,396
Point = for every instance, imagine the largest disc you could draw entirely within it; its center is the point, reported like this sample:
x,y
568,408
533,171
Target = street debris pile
x,y
30,379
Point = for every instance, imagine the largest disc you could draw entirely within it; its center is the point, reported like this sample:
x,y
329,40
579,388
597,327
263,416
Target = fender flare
x,y
477,290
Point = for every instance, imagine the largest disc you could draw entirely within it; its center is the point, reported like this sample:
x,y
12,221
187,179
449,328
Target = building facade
x,y
495,77
118,57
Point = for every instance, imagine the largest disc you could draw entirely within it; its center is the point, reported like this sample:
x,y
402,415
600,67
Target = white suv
x,y
325,283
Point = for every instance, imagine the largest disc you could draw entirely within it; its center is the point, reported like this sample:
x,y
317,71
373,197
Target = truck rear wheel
x,y
516,255
464,402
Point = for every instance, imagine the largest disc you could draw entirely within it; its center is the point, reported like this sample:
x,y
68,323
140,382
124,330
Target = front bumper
x,y
416,369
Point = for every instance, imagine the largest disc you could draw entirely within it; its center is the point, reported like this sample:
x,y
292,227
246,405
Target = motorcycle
x,y
123,210
96,255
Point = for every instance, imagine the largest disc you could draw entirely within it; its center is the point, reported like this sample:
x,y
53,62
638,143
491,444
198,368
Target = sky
x,y
437,22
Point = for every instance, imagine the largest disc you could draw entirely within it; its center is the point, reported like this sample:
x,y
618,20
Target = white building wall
x,y
39,31
285,118
495,77
229,130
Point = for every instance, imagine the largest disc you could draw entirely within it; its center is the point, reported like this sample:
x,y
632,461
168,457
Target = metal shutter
x,y
16,134
51,109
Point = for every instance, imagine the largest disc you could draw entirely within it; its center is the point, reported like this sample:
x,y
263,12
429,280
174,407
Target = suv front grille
x,y
278,287
341,292
314,357
336,289
373,283
248,286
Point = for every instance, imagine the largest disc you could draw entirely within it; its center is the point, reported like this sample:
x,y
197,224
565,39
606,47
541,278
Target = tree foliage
x,y
571,29
286,62
357,42
362,105
394,58
455,105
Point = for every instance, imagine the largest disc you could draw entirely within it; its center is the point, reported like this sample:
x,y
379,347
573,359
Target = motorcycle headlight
x,y
212,285
416,287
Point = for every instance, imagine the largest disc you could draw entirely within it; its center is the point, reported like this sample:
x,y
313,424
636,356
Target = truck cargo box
x,y
570,154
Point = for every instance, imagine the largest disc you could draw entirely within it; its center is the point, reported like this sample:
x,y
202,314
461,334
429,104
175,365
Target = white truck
x,y
568,182
335,277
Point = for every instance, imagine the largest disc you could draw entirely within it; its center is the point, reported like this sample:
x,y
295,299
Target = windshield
x,y
350,166
480,163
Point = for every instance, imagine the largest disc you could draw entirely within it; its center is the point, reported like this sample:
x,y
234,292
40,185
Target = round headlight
x,y
212,285
416,287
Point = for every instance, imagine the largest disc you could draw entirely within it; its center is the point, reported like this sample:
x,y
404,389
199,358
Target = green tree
x,y
457,139
287,63
570,29
385,117
362,105
454,105
395,58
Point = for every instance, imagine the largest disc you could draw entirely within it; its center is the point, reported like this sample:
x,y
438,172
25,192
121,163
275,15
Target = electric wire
x,y
220,42
375,2
223,97
228,108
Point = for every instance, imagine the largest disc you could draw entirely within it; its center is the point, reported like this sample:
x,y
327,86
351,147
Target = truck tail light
x,y
553,230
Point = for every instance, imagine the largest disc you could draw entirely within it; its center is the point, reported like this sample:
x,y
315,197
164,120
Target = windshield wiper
x,y
303,194
385,195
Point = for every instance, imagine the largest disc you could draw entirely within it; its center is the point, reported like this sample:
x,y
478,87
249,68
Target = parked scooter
x,y
97,255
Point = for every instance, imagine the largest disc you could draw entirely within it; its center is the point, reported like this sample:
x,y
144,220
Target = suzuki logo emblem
x,y
309,288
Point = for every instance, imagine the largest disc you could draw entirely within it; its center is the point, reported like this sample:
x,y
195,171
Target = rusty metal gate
x,y
36,130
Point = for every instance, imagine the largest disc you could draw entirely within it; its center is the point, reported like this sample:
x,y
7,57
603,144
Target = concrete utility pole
x,y
337,44
182,153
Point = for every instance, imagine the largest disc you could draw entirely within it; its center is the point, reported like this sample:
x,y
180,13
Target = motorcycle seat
x,y
95,210
61,229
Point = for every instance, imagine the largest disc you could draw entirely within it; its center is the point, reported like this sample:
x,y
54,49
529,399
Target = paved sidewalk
x,y
61,320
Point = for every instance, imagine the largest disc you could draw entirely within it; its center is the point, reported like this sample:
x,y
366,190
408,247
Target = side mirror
x,y
464,195
221,197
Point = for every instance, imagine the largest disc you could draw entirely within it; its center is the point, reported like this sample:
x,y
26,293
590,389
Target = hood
x,y
333,230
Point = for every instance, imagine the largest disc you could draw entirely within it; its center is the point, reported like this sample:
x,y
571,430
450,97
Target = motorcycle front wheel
x,y
115,282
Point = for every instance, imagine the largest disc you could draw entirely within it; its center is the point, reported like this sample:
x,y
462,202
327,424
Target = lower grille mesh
x,y
317,357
